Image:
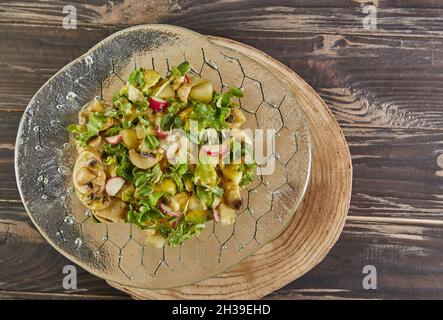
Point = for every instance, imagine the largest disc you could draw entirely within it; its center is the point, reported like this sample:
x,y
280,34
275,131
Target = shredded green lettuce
x,y
95,123
182,232
205,175
248,174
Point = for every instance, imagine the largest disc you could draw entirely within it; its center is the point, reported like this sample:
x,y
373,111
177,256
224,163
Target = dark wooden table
x,y
384,85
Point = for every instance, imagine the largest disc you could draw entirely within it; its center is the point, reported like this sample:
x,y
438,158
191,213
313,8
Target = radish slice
x,y
216,215
215,150
157,104
114,185
169,211
160,133
114,139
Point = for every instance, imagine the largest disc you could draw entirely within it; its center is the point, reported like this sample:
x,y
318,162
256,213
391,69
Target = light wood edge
x,y
271,267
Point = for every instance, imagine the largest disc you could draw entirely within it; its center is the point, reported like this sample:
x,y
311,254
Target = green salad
x,y
160,155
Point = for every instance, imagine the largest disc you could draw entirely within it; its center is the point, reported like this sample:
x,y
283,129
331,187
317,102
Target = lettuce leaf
x,y
205,175
95,123
182,232
223,100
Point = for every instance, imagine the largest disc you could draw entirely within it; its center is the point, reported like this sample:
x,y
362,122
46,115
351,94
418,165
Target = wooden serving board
x,y
316,225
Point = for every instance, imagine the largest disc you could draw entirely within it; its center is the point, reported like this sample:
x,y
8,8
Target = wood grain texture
x,y
384,87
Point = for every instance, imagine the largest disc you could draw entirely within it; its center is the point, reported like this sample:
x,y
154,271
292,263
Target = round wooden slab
x,y
315,227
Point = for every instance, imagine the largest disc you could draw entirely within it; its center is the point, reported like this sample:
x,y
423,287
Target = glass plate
x,y
116,252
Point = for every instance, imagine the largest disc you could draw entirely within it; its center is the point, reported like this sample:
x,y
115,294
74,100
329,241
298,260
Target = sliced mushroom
x,y
144,161
89,174
84,176
92,202
116,211
232,174
226,213
232,195
95,143
235,119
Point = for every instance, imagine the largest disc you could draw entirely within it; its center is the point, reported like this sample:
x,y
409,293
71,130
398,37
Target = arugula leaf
x,y
178,123
205,175
184,68
95,123
144,181
167,122
143,191
121,101
136,78
151,142
113,131
223,100
204,114
76,128
175,107
209,197
182,232
143,217
154,197
209,116
248,174
124,168
142,176
223,114
176,173
113,150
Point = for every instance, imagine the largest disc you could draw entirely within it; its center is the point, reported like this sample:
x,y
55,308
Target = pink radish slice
x,y
114,139
157,104
215,150
169,211
160,133
216,215
114,185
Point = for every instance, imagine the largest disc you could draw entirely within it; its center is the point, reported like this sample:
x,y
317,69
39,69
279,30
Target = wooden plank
x,y
367,80
407,257
384,87
408,260
22,275
238,16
